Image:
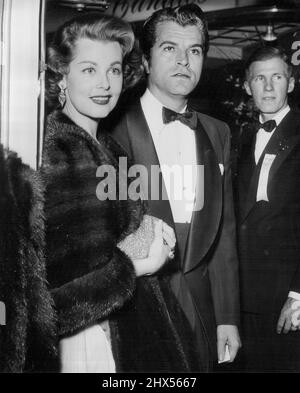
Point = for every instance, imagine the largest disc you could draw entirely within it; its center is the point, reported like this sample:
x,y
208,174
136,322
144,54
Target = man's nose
x,y
182,58
268,84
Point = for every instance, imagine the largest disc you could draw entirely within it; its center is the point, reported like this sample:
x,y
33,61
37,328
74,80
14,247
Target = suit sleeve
x,y
295,284
120,134
223,268
89,276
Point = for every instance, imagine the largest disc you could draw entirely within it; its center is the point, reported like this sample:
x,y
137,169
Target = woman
x,y
112,315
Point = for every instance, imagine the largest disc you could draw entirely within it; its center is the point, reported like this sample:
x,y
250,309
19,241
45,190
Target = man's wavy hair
x,y
97,27
186,15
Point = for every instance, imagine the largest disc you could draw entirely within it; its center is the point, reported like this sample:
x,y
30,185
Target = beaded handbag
x,y
137,244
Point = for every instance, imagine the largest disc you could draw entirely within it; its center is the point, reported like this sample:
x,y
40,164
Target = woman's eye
x,y
115,71
88,70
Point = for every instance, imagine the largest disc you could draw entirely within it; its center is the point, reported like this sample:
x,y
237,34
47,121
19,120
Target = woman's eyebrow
x,y
87,62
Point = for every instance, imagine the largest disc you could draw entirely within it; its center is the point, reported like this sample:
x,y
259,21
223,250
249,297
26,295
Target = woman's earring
x,y
62,96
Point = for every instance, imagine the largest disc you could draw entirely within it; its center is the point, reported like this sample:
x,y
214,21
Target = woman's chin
x,y
102,112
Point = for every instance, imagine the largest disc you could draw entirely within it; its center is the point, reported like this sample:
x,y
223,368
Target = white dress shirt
x,y
176,150
262,138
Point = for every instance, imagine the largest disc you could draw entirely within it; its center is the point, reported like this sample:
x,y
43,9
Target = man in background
x,y
269,218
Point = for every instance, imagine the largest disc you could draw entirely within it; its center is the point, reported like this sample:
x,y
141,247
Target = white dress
x,y
88,351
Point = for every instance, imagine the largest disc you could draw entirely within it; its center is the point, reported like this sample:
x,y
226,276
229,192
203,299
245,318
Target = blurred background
x,y
236,28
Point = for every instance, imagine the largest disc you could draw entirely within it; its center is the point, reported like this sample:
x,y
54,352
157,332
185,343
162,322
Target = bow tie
x,y
187,118
267,126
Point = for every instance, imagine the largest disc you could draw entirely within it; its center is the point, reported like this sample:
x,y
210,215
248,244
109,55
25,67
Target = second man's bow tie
x,y
267,126
188,118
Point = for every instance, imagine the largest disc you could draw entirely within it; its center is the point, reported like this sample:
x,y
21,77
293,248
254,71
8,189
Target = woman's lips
x,y
101,100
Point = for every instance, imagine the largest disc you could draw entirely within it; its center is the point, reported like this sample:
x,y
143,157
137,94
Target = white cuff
x,y
294,295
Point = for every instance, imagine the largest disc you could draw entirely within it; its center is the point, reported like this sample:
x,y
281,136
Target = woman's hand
x,y
169,238
161,249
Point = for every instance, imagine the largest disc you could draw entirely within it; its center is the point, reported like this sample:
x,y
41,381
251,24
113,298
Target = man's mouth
x,y
181,75
101,100
269,98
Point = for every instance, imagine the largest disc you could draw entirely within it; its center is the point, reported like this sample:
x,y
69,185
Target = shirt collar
x,y
279,116
152,109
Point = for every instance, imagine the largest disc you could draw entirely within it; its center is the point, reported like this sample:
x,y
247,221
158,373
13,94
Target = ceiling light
x,y
99,5
270,35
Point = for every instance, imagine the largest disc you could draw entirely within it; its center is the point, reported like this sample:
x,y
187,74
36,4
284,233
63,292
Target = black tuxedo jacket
x,y
269,231
209,265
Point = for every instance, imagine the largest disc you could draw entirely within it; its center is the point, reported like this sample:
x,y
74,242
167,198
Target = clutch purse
x,y
137,244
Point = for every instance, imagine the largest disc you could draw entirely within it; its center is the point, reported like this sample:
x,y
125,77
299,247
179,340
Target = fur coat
x,y
91,278
27,339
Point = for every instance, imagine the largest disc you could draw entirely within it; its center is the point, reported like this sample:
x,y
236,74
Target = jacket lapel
x,y
205,221
144,153
284,139
204,224
248,174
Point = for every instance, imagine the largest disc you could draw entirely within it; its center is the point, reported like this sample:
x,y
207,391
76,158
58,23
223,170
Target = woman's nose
x,y
103,81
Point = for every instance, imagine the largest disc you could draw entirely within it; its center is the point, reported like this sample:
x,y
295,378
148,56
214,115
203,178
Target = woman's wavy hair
x,y
98,27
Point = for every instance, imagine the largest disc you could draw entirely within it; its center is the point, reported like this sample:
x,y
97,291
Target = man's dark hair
x,y
186,15
267,53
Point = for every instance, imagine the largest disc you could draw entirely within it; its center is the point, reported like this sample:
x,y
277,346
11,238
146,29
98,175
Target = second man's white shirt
x,y
263,137
176,150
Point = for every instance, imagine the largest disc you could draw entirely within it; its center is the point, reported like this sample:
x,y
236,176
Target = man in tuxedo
x,y
269,218
158,130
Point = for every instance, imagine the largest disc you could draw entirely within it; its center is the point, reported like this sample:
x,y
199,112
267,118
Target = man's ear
x,y
146,65
247,88
291,84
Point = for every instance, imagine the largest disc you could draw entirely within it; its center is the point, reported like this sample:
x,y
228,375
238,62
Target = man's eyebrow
x,y
167,42
197,44
175,44
274,73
